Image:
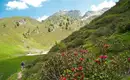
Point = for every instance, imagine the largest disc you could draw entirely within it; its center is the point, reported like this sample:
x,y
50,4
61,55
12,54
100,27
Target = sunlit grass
x,y
11,66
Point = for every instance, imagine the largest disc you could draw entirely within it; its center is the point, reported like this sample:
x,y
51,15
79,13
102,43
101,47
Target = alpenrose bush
x,y
81,64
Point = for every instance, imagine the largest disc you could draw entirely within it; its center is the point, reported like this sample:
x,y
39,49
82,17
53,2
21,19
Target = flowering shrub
x,y
84,65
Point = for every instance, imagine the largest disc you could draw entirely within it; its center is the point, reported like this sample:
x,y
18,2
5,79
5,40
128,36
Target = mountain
x,y
22,37
91,14
26,34
106,39
14,32
71,19
76,14
64,18
112,23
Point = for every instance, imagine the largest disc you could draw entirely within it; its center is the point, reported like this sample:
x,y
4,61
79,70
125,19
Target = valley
x,y
92,43
98,51
24,38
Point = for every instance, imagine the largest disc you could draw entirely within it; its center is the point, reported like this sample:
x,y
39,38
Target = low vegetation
x,y
102,51
11,66
80,64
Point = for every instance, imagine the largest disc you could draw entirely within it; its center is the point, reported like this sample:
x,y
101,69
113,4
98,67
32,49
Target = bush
x,y
59,47
83,65
17,24
123,27
4,26
75,43
103,31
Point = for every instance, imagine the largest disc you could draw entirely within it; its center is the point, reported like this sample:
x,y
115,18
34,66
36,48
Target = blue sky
x,y
44,8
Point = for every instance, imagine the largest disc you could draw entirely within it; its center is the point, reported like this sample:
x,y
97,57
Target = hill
x,y
113,23
25,36
106,39
12,32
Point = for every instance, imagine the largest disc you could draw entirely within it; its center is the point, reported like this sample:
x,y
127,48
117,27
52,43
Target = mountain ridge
x,y
25,30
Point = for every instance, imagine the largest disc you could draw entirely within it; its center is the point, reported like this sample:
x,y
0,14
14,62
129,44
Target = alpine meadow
x,y
90,41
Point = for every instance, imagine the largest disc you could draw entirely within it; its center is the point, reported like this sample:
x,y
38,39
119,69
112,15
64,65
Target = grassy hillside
x,y
22,35
112,23
106,39
12,41
9,67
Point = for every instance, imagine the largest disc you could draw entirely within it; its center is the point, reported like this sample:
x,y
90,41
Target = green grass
x,y
37,33
126,78
114,21
13,77
113,28
11,66
14,44
8,51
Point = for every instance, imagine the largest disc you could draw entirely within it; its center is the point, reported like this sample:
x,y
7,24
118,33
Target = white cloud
x,y
23,4
34,3
16,5
42,18
105,4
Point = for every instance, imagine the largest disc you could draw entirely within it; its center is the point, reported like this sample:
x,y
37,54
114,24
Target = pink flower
x,y
97,61
73,69
81,59
75,53
129,59
63,54
63,78
80,68
84,51
103,56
